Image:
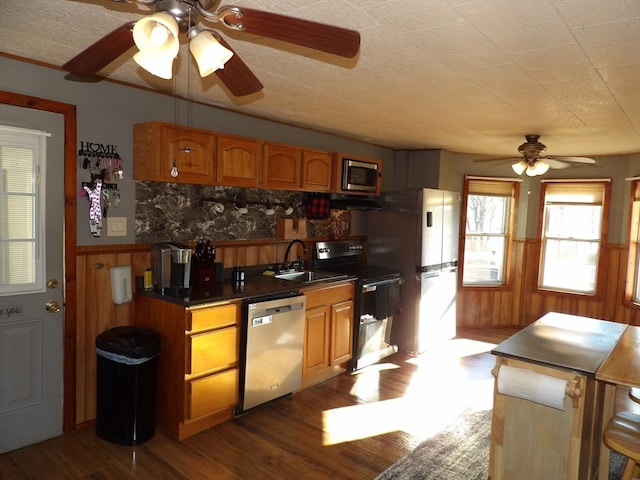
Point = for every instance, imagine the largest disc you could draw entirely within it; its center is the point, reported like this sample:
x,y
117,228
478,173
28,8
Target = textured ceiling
x,y
462,75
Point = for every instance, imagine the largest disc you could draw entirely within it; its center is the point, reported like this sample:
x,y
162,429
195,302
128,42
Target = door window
x,y
22,160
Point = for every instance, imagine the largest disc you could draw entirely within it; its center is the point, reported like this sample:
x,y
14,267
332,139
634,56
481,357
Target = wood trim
x,y
70,236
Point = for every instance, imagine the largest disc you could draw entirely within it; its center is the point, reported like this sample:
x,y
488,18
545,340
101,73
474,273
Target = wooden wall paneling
x,y
81,347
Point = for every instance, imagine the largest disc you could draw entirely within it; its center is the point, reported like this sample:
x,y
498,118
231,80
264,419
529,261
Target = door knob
x,y
52,283
53,306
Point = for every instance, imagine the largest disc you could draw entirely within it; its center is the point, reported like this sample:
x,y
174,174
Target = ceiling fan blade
x,y
555,164
587,160
236,76
103,52
326,38
499,160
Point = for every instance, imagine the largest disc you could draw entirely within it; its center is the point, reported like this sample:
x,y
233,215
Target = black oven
x,y
377,298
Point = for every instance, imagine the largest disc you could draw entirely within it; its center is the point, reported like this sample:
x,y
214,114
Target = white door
x,y
31,324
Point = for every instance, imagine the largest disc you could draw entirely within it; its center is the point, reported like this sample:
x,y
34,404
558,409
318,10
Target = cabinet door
x,y
316,341
281,167
316,171
213,393
212,350
341,332
191,152
238,162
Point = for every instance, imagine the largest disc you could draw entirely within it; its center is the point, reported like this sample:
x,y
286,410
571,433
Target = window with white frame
x,y
488,224
22,155
571,236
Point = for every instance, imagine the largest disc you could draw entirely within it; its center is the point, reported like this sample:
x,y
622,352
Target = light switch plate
x,y
116,226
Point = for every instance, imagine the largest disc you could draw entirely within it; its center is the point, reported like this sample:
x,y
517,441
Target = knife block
x,y
205,273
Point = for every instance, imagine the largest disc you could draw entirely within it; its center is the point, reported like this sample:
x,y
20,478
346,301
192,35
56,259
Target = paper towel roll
x,y
536,387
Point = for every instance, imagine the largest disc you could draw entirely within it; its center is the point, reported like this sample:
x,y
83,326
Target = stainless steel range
x,y
377,298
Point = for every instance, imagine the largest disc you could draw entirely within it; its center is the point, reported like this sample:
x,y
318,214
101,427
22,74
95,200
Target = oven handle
x,y
373,286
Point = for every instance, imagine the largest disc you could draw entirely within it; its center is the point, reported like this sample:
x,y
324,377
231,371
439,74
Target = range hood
x,y
340,201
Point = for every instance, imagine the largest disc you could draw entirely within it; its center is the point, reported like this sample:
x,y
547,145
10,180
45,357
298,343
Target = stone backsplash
x,y
184,213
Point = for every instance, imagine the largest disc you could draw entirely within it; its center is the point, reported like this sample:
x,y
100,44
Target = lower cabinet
x,y
328,332
198,364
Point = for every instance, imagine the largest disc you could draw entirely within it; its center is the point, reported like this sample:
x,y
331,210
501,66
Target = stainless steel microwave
x,y
359,175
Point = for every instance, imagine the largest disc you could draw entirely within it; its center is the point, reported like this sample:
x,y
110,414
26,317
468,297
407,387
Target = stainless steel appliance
x,y
417,232
359,175
272,339
171,267
377,298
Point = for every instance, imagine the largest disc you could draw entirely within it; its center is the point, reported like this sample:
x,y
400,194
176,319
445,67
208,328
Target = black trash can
x,y
127,372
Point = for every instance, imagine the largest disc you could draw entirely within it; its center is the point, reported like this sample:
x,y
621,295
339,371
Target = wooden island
x,y
531,440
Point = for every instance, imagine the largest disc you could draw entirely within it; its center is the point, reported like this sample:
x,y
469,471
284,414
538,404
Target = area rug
x,y
460,452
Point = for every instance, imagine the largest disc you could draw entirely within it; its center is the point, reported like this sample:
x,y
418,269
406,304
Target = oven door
x,y
378,302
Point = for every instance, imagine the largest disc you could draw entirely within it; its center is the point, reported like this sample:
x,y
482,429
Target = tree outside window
x,y
488,212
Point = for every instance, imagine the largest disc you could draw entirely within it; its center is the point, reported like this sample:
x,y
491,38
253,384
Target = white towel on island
x,y
536,387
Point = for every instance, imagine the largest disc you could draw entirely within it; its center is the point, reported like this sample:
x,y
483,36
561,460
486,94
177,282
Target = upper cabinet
x,y
281,165
172,153
293,168
163,152
317,168
238,162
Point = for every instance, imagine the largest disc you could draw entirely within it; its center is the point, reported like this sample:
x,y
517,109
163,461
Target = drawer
x,y
212,350
329,295
213,393
213,317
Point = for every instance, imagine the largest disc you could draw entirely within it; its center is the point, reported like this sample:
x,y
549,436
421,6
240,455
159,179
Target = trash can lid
x,y
134,342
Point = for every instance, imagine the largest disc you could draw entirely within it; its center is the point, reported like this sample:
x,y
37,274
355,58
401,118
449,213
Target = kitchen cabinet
x,y
328,332
198,364
286,167
159,147
281,165
239,162
317,167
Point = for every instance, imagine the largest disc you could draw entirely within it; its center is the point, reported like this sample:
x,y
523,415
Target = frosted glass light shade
x,y
156,36
157,65
210,55
519,167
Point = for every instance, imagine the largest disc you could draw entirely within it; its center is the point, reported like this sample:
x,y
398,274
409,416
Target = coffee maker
x,y
171,267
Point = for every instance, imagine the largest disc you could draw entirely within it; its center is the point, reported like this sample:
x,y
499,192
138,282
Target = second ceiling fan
x,y
156,36
533,163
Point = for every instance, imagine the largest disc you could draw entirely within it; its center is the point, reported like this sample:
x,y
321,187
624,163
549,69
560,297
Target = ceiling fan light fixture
x,y
156,36
155,64
519,167
210,55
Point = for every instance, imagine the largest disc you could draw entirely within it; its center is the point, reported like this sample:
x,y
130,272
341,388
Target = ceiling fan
x,y
156,36
532,163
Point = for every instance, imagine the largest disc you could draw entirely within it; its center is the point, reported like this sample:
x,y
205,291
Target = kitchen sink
x,y
309,276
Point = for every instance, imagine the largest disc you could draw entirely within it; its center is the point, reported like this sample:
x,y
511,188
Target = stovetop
x,y
344,256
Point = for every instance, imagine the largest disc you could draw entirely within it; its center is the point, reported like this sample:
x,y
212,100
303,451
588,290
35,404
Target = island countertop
x,y
564,341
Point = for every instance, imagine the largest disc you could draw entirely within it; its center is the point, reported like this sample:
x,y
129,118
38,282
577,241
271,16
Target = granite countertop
x,y
254,286
564,341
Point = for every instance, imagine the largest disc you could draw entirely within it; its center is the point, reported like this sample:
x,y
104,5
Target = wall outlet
x,y
116,226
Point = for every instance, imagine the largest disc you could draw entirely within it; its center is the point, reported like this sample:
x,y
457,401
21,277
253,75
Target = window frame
x,y
508,264
632,285
602,241
16,137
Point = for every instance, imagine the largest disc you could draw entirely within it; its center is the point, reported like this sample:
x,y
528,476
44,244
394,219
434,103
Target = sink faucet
x,y
285,262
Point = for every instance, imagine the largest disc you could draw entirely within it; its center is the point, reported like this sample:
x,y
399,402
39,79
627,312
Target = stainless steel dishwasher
x,y
273,338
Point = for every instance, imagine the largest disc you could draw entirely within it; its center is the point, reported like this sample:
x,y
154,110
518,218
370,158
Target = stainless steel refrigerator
x,y
416,232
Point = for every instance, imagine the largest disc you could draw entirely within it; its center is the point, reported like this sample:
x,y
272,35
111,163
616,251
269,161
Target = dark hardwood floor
x,y
349,427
